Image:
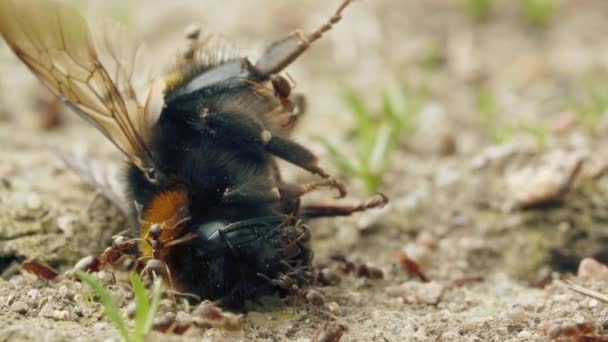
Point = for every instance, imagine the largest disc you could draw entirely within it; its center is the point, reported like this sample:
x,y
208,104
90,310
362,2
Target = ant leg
x,y
139,261
169,276
316,211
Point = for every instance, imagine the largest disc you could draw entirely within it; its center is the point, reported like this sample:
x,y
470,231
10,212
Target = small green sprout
x,y
145,310
538,12
538,132
592,108
498,132
375,136
478,9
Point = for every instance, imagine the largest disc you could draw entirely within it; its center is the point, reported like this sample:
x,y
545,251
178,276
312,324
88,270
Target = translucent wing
x,y
101,175
54,41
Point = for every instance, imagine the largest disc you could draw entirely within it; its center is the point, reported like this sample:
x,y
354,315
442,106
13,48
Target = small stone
x,y
546,182
19,307
101,326
61,315
590,269
65,293
47,311
131,309
33,202
328,276
66,223
315,298
32,296
164,322
517,316
334,308
165,305
524,335
183,320
417,293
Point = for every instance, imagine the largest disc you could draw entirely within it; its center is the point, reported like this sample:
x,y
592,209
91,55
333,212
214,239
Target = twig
x,y
584,291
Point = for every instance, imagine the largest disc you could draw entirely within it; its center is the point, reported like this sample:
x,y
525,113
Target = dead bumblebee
x,y
201,144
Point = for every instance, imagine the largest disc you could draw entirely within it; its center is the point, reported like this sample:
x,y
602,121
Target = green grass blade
x,y
380,152
110,308
157,290
363,117
142,306
344,163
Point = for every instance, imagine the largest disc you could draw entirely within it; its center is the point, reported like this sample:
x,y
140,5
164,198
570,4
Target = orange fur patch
x,y
167,210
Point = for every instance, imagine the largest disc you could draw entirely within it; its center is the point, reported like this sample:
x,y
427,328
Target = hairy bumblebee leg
x,y
286,50
248,194
301,156
290,192
316,211
249,133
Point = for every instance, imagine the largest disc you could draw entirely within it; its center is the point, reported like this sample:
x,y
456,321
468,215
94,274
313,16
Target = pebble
x,y
473,324
183,318
61,315
66,223
47,311
165,305
334,308
517,316
131,309
590,269
19,307
33,202
315,298
32,296
545,182
524,335
414,292
65,293
329,277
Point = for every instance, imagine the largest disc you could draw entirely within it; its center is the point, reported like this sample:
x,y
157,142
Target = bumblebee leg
x,y
301,156
316,211
251,194
290,192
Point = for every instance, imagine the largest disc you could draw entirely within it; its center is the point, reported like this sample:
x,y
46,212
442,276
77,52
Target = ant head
x,y
155,231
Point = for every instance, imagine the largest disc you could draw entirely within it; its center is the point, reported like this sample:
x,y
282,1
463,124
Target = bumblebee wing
x,y
102,176
54,41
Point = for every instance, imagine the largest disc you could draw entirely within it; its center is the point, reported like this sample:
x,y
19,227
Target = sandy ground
x,y
495,268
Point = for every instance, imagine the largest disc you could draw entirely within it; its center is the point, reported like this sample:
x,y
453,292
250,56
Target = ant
x,y
127,248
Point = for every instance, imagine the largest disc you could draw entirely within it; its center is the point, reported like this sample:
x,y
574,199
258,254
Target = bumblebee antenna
x,y
284,51
318,33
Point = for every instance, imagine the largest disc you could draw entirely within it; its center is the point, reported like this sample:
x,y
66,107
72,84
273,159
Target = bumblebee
x,y
201,145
